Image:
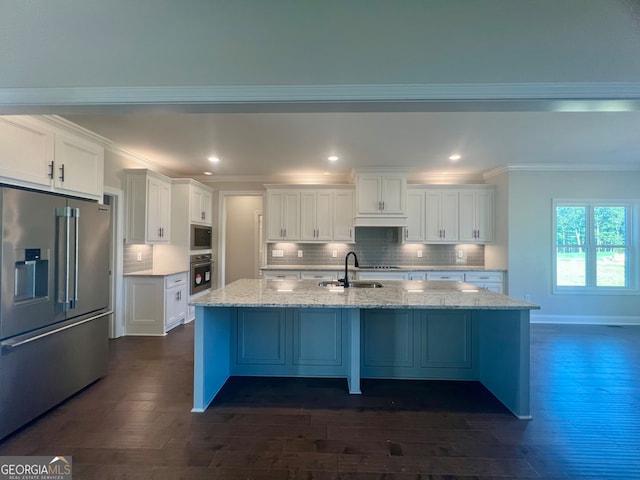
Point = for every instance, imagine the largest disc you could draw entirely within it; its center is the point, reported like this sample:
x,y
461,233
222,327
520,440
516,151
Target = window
x,y
592,247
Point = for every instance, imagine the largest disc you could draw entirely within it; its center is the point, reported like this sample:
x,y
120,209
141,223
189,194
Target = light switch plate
x,y
419,253
277,253
334,253
299,253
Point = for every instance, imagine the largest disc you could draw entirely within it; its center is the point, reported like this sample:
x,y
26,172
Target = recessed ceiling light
x,y
455,157
332,158
208,173
214,159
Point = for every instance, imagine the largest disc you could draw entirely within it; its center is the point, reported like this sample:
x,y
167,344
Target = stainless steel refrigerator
x,y
54,301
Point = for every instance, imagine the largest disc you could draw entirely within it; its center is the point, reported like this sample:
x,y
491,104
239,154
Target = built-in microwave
x,y
200,237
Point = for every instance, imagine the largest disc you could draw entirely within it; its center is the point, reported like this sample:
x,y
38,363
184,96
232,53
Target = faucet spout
x,y
346,267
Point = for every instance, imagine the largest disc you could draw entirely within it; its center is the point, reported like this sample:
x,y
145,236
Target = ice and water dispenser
x,y
31,274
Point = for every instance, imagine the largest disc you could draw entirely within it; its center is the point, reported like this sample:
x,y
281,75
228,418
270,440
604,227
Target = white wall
x,y
97,43
241,235
530,242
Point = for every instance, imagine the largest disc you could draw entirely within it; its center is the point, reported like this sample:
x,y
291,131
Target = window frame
x,y
631,239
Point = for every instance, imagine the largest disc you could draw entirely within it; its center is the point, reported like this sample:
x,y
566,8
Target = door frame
x,y
116,323
222,225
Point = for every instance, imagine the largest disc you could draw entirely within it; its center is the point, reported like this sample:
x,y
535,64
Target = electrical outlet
x,y
334,253
419,253
277,253
299,253
139,258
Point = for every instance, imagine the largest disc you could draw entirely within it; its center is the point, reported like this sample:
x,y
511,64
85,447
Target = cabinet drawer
x,y
449,276
280,275
319,275
482,277
174,280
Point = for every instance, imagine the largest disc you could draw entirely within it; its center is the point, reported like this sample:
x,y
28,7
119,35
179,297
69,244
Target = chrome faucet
x,y
346,267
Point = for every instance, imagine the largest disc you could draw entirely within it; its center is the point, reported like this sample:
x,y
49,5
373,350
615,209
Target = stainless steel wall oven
x,y
201,272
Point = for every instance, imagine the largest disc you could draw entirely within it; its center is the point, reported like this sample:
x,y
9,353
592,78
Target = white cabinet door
x,y
393,194
414,232
369,191
476,215
26,151
200,206
175,299
148,207
79,167
158,211
283,215
316,216
381,193
441,215
343,216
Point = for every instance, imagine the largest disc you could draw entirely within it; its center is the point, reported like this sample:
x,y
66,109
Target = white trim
x,y
117,328
578,93
561,167
586,319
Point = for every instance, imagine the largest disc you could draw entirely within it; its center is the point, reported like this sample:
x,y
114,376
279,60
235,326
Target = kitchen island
x,y
405,330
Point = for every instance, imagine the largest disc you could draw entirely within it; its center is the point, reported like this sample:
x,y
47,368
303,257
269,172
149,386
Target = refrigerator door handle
x,y
76,216
9,345
65,213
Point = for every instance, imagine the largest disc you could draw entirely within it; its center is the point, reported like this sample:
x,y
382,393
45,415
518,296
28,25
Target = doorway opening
x,y
241,236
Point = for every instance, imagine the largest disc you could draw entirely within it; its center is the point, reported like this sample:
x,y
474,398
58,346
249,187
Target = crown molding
x,y
575,96
560,167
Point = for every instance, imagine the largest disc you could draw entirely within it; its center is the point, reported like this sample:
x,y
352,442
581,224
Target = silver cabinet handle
x,y
51,169
62,173
383,205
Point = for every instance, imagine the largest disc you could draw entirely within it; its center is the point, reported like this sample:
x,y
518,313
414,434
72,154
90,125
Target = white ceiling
x,y
255,146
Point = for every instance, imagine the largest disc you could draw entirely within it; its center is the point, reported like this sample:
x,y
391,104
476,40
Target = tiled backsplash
x,y
130,260
377,246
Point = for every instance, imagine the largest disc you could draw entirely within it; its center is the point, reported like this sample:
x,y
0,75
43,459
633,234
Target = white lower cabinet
x,y
155,304
386,275
446,276
320,275
493,281
281,275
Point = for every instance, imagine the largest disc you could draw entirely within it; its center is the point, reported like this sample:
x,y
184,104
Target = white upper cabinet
x,y
476,214
415,230
44,155
283,215
316,215
148,207
343,230
383,194
200,205
441,207
79,166
26,150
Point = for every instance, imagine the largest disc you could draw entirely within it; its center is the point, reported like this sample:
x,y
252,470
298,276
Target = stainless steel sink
x,y
352,284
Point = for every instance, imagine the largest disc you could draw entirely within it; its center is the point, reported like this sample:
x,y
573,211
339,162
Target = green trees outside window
x,y
592,245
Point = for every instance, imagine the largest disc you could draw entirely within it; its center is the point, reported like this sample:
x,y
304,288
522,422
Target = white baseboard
x,y
586,319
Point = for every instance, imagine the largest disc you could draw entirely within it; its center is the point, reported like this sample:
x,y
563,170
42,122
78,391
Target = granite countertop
x,y
394,294
406,268
156,272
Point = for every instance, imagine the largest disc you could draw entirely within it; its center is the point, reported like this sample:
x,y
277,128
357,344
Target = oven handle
x,y
198,265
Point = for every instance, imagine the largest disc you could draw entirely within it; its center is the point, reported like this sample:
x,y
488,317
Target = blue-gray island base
x,y
404,330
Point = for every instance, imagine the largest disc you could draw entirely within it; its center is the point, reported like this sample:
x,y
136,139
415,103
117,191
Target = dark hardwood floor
x,y
136,422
